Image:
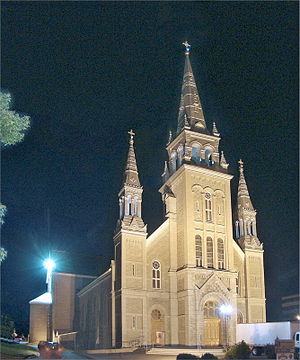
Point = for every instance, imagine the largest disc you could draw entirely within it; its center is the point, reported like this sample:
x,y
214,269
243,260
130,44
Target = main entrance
x,y
212,324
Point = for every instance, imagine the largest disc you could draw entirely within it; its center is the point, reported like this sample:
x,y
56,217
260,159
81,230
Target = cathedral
x,y
188,283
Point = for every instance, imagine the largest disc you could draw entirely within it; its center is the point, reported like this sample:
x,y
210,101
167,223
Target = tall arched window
x,y
221,263
237,229
208,156
129,205
172,163
196,153
198,245
179,156
208,207
156,275
210,252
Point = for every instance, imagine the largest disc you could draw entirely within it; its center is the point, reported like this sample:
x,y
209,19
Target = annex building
x,y
193,279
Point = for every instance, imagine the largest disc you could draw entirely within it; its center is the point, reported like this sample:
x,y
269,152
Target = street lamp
x,y
49,264
226,311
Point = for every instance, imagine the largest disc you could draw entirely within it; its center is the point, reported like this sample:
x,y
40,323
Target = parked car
x,y
50,349
14,349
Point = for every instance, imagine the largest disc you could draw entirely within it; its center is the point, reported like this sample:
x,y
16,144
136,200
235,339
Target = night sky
x,y
87,72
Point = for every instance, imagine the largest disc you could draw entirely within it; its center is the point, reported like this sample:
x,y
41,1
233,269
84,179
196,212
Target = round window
x,y
156,265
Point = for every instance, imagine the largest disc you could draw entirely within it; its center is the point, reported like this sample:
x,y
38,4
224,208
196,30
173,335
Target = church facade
x,y
195,277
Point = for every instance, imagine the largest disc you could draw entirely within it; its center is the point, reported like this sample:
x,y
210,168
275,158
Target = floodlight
x,y
49,264
226,309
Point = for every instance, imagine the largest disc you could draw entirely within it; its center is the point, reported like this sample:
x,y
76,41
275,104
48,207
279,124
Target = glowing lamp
x,y
49,264
226,309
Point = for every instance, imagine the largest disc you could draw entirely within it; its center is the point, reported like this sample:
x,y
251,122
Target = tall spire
x,y
130,196
245,217
190,105
131,171
243,193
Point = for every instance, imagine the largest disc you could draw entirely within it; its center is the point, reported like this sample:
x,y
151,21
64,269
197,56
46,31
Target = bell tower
x,y
197,196
246,236
129,264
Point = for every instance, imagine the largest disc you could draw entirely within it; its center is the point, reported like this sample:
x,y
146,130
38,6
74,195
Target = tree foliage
x,y
12,130
13,125
7,326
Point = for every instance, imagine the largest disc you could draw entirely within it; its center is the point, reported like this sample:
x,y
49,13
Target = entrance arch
x,y
212,324
157,328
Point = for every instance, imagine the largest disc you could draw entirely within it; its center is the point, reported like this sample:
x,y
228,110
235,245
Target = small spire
x,y
131,171
243,193
170,138
215,130
223,161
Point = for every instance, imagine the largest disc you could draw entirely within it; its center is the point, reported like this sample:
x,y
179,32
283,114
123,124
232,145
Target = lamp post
x,y
226,311
49,264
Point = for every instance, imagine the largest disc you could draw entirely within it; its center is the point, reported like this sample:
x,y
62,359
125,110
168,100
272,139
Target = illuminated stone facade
x,y
169,288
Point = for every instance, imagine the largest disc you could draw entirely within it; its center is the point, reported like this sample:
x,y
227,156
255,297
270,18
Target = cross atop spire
x,y
131,133
187,47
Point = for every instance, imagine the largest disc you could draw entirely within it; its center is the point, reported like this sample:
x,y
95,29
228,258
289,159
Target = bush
x,y
186,357
270,351
208,356
239,351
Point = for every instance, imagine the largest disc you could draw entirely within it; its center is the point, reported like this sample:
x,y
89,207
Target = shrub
x,y
186,357
208,356
270,351
239,351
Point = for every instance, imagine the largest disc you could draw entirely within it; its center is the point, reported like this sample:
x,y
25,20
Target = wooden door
x,y
212,332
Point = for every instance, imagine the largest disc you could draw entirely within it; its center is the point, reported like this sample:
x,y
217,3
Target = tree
x,y
239,351
12,130
13,125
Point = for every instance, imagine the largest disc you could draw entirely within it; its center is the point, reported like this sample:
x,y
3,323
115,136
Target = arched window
x,y
198,245
129,205
179,156
208,156
210,252
173,162
211,310
239,319
237,229
208,207
221,264
196,153
156,275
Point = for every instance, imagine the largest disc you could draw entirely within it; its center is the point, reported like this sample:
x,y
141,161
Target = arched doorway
x,y
212,322
157,328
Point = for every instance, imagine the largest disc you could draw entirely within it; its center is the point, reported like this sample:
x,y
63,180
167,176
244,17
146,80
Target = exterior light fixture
x,y
226,310
298,317
49,264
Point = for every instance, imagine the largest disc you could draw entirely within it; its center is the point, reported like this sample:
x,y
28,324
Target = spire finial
x,y
131,133
187,47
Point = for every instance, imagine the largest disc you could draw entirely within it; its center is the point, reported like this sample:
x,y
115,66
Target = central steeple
x,y
190,109
193,144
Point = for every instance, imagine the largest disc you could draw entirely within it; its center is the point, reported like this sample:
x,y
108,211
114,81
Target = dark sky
x,y
87,72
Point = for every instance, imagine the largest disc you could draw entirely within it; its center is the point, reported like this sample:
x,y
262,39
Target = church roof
x,y
190,109
131,171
